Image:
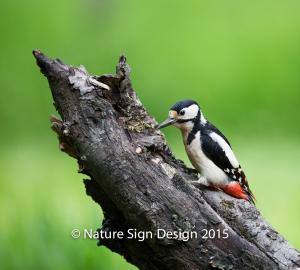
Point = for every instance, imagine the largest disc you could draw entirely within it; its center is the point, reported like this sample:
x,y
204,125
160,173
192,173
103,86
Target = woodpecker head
x,y
183,115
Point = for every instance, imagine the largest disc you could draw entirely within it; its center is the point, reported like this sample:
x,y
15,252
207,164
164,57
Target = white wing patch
x,y
226,148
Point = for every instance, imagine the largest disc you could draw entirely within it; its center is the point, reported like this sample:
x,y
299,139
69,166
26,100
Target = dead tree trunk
x,y
140,185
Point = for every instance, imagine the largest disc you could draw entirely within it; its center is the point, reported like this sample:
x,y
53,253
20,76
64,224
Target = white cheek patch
x,y
191,112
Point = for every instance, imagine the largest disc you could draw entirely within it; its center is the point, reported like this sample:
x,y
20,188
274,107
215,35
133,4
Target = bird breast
x,y
202,163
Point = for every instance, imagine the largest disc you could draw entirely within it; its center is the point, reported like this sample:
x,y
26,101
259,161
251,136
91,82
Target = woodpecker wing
x,y
217,148
211,128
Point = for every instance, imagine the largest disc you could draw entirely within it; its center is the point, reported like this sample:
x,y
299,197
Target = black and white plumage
x,y
208,150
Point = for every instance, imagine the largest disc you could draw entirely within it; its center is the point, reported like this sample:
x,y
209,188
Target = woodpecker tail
x,y
234,189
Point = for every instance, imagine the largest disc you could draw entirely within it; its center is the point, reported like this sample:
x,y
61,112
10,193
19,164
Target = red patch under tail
x,y
235,190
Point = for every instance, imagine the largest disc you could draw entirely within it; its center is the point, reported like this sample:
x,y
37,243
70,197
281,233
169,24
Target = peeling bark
x,y
139,184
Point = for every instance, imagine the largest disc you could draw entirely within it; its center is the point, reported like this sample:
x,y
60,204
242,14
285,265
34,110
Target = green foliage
x,y
240,60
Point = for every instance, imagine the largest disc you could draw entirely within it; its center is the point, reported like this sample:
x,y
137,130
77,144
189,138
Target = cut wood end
x,y
56,124
54,119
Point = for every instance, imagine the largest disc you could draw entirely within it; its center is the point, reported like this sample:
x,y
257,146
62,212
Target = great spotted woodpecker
x,y
208,150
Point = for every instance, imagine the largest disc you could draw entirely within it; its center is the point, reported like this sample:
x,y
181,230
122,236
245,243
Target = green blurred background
x,y
239,59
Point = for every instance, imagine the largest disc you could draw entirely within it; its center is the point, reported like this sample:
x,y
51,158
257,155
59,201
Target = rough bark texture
x,y
139,184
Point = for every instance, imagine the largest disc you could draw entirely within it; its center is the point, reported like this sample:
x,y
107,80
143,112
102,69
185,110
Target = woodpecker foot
x,y
202,181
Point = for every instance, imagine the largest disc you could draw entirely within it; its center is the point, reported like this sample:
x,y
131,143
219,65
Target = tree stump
x,y
141,186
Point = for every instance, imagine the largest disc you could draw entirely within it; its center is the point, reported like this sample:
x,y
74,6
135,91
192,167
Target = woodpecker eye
x,y
182,112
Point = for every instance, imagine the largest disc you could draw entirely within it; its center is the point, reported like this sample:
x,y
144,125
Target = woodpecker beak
x,y
166,123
